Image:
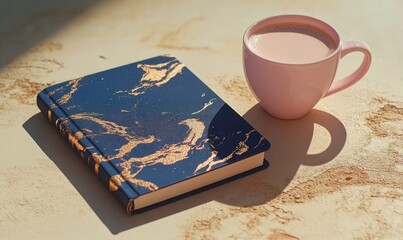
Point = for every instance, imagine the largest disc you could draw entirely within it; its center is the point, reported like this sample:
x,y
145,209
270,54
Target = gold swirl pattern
x,y
90,156
50,115
206,105
131,144
157,75
98,159
74,141
130,206
169,154
110,127
239,150
113,129
260,141
172,153
64,127
116,181
66,97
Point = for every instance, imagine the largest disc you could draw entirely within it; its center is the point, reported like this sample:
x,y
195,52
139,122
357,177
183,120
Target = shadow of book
x,y
290,142
102,201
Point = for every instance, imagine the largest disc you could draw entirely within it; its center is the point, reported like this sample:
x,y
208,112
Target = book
x,y
152,131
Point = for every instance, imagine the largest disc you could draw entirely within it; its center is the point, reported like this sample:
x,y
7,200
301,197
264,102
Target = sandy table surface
x,y
335,174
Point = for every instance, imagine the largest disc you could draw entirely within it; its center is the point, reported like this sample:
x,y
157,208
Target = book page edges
x,y
197,182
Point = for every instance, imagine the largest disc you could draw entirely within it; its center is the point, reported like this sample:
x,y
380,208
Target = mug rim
x,y
286,18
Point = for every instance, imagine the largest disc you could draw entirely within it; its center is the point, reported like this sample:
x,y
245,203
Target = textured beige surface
x,y
335,174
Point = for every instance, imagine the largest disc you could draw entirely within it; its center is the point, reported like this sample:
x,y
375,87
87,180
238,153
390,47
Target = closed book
x,y
152,131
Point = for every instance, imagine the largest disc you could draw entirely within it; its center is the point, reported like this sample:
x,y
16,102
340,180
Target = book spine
x,y
88,152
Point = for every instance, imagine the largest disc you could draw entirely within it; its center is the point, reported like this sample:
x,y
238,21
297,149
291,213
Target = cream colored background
x,y
335,174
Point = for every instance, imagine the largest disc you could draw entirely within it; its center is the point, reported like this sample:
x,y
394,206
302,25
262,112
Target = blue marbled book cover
x,y
147,125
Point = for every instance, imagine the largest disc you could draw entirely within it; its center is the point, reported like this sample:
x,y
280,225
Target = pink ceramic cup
x,y
291,90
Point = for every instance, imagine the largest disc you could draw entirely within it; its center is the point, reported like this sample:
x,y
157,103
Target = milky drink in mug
x,y
290,62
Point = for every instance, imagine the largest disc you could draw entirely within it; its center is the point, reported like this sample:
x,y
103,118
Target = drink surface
x,y
292,43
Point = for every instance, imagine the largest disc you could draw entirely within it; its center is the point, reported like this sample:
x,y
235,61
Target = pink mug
x,y
289,90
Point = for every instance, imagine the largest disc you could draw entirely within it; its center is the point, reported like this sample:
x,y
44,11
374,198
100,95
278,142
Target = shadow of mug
x,y
291,140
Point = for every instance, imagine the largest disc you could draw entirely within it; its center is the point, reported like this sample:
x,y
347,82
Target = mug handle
x,y
346,48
